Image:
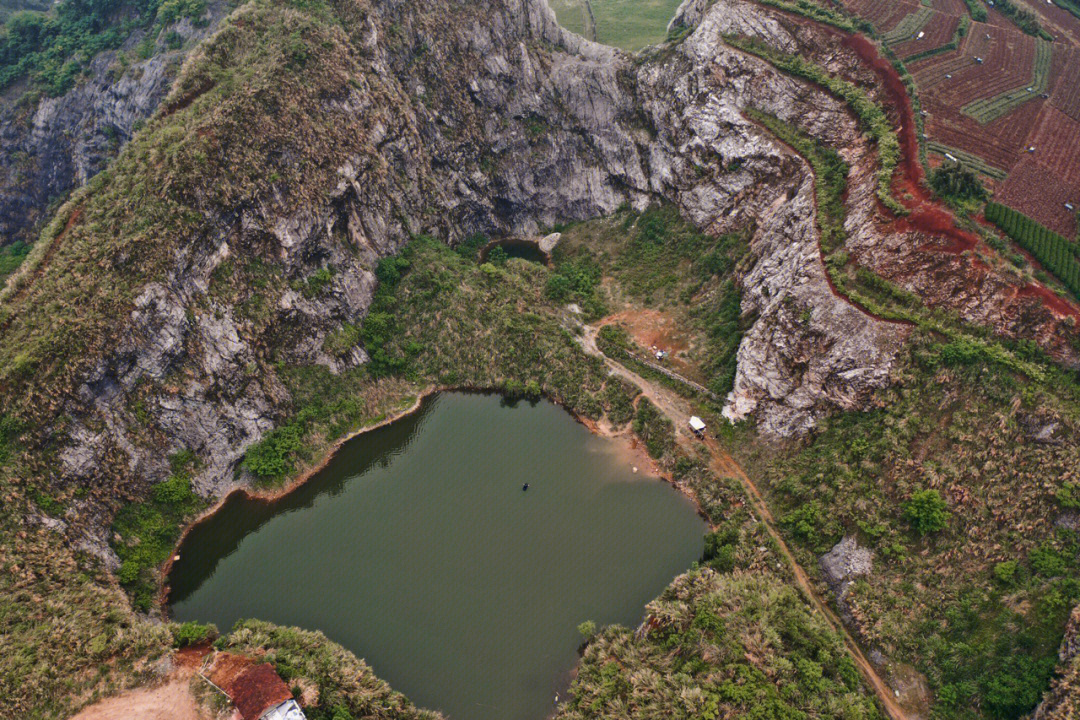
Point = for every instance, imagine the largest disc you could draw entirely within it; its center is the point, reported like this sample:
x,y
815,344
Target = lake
x,y
417,549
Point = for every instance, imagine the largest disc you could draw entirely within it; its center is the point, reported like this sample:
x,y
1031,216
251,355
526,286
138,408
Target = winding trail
x,y
678,410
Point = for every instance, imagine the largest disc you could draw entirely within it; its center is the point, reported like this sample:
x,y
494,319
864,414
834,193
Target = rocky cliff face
x,y
50,145
1062,701
401,118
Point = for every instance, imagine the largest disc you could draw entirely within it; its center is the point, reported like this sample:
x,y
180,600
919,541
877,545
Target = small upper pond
x,y
417,549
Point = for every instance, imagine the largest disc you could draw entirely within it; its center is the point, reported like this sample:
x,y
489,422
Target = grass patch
x,y
628,25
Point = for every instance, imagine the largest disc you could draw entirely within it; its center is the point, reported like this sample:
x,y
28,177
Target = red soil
x,y
928,215
1052,300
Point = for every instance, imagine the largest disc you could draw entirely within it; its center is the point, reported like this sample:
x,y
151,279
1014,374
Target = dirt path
x,y
722,463
171,700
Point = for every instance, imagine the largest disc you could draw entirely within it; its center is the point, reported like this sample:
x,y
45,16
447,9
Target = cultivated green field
x,y
627,24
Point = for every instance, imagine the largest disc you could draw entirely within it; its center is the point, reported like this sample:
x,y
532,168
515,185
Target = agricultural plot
x,y
1056,143
909,27
1066,96
968,159
991,108
574,16
882,14
955,8
1001,143
1061,19
1054,252
626,24
1008,60
1036,191
1026,146
940,35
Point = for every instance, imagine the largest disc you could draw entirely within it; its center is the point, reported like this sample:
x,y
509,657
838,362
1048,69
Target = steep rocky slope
x,y
497,122
240,231
50,145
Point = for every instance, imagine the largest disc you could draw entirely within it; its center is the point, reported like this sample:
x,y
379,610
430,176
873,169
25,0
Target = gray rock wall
x,y
56,144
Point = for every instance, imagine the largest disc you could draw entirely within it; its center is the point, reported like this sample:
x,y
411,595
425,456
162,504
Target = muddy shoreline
x,y
624,438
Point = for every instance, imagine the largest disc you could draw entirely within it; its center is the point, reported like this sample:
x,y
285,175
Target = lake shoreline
x,y
625,438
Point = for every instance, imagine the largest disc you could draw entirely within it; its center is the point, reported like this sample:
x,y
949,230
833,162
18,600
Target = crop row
x,y
1067,95
954,42
883,14
908,27
988,109
970,160
1056,254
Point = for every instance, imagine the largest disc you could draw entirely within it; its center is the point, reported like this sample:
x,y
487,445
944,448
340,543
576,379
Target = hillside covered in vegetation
x,y
289,249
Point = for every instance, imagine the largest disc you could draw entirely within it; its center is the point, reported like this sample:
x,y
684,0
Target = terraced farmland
x,y
969,160
1004,102
909,27
991,108
1066,97
941,34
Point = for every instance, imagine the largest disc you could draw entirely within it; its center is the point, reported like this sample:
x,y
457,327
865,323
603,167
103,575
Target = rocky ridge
x,y
51,145
498,122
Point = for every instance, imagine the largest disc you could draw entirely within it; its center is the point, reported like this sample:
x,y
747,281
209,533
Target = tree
x,y
926,512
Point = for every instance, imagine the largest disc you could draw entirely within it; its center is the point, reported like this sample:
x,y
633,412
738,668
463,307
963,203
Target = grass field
x,y
626,24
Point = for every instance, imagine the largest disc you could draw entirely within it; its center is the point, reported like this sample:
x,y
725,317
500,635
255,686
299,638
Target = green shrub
x,y
1007,572
957,181
961,352
341,342
272,457
654,428
192,633
147,532
926,512
1017,686
720,549
1047,561
470,247
1068,496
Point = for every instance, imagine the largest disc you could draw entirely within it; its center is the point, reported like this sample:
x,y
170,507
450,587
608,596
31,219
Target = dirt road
x,y
723,464
171,701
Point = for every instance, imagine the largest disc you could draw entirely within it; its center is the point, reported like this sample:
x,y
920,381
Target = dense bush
x,y
977,10
926,512
191,633
957,181
272,457
575,280
148,530
1016,687
11,257
654,428
1057,254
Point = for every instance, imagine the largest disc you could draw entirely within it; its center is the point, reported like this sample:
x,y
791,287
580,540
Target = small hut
x,y
256,690
697,426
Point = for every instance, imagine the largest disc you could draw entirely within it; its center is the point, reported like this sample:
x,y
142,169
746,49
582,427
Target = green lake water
x,y
417,549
